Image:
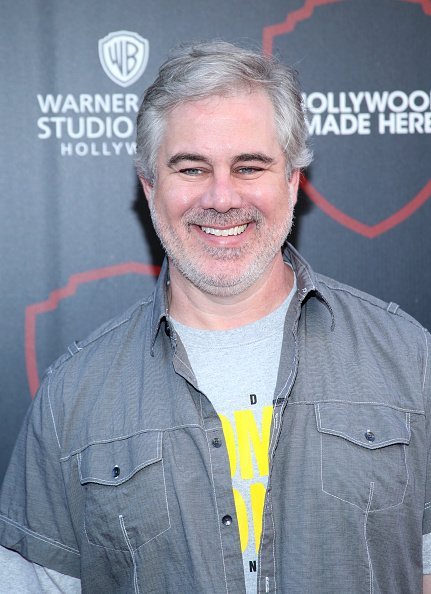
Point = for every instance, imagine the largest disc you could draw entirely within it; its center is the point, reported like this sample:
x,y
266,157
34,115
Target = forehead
x,y
244,120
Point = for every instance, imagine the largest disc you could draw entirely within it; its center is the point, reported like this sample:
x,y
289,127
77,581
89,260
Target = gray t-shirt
x,y
237,370
19,576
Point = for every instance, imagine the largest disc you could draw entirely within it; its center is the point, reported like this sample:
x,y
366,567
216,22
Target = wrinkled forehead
x,y
247,113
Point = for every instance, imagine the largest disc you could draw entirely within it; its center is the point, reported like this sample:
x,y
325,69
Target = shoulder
x,y
121,329
382,330
347,298
99,374
385,349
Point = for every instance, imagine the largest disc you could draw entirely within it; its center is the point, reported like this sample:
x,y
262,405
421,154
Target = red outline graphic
x,y
287,26
426,5
32,311
369,231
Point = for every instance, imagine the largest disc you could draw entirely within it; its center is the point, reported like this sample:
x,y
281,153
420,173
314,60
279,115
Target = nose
x,y
221,194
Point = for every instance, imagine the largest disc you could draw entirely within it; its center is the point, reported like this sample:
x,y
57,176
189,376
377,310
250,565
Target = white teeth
x,y
225,232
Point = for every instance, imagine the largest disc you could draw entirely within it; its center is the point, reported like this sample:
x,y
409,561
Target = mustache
x,y
231,218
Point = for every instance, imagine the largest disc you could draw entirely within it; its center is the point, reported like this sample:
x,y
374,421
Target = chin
x,y
222,285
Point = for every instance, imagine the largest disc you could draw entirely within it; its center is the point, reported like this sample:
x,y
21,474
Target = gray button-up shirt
x,y
120,475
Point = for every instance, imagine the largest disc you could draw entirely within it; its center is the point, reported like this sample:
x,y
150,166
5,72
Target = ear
x,y
294,184
147,186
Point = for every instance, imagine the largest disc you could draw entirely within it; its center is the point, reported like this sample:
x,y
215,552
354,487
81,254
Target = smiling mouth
x,y
225,232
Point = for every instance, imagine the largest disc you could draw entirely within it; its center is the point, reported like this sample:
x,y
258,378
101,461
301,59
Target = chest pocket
x,y
125,493
364,453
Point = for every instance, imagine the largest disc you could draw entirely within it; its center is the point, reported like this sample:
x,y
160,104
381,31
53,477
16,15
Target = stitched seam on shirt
x,y
276,433
370,565
197,426
50,408
129,546
147,541
357,441
303,269
262,537
381,306
167,509
350,502
217,510
201,408
38,536
374,403
273,542
126,436
114,483
321,468
84,344
139,306
124,479
87,536
94,544
321,479
185,364
426,359
286,382
373,511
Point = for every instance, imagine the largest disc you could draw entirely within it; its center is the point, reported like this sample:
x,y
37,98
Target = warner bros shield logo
x,y
124,56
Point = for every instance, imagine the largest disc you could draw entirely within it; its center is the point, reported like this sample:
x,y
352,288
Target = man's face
x,y
222,205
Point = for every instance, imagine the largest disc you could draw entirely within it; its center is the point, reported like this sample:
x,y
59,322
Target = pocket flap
x,y
116,461
369,425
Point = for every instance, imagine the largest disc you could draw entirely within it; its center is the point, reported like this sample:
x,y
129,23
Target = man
x,y
252,426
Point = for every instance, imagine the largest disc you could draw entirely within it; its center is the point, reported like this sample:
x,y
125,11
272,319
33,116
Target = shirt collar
x,y
160,310
306,280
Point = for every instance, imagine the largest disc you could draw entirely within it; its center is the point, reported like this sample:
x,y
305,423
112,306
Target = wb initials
x,y
123,56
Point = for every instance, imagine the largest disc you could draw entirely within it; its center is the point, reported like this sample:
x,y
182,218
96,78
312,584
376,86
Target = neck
x,y
192,307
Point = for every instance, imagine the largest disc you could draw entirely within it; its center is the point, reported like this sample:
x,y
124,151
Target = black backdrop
x,y
76,243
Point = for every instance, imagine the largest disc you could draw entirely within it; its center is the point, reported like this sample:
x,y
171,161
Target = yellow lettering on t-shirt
x,y
250,440
244,443
257,498
241,514
230,443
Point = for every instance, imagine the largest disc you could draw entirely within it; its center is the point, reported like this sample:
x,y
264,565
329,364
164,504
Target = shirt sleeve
x,y
21,576
426,553
34,512
426,523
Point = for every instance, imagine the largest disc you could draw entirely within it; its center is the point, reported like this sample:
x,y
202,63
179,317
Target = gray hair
x,y
201,70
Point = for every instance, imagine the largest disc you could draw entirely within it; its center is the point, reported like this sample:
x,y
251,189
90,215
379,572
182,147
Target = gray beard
x,y
219,284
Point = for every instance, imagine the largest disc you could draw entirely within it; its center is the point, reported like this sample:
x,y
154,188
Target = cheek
x,y
176,201
170,209
274,206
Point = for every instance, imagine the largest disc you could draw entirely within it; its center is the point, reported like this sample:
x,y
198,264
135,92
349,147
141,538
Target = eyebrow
x,y
261,157
175,159
243,157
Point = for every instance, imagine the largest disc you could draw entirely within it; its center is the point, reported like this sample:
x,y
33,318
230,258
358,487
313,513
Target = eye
x,y
194,171
249,171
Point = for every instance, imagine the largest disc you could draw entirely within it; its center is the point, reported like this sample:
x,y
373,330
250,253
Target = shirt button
x,y
227,520
369,435
217,442
116,471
